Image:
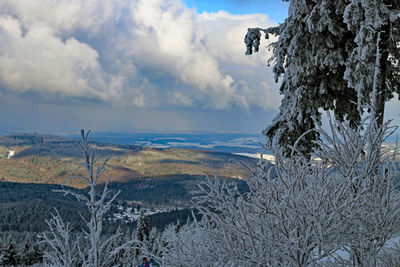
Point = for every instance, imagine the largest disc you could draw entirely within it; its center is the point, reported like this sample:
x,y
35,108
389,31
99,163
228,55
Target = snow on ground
x,y
129,214
267,157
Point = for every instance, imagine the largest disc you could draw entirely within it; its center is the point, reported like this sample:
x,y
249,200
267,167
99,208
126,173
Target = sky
x,y
167,66
135,66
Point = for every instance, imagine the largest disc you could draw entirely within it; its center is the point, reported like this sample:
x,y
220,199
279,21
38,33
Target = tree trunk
x,y
383,61
380,103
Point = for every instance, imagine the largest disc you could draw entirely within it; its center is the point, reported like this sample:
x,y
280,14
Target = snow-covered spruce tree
x,y
95,250
155,243
1,254
142,234
142,227
374,62
326,54
5,242
10,255
31,253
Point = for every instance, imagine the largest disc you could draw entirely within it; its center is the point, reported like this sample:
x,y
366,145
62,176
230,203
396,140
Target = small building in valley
x,y
10,154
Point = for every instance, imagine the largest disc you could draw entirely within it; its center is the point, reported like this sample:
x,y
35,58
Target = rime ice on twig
x,y
340,210
97,250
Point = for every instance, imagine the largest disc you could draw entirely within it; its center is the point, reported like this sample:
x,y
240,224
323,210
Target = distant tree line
x,y
171,190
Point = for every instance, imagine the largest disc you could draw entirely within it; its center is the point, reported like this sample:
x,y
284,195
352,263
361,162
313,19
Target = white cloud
x,y
37,60
139,101
178,99
132,53
64,16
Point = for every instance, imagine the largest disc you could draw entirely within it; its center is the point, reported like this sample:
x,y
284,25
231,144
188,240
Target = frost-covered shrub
x,y
63,246
178,247
370,212
341,209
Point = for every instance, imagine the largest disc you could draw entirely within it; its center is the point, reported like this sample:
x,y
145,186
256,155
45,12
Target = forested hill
x,y
24,208
169,191
52,159
57,146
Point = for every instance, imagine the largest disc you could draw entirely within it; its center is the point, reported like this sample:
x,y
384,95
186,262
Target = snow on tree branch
x,y
253,36
327,54
95,251
342,209
63,245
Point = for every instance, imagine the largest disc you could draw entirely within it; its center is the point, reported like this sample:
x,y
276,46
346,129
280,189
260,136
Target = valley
x,y
52,160
161,181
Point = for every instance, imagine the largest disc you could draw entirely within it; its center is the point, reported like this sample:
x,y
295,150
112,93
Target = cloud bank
x,y
140,53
